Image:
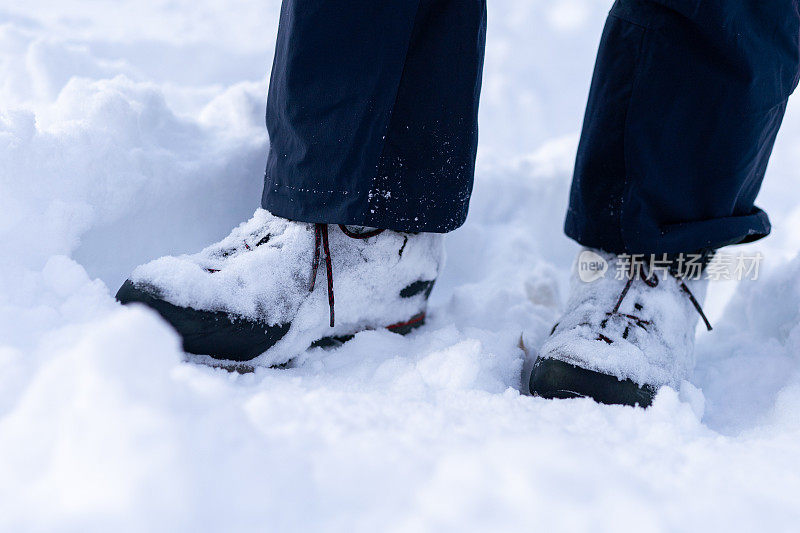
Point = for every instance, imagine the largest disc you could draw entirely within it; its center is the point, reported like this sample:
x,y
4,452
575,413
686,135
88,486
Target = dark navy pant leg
x,y
685,104
372,112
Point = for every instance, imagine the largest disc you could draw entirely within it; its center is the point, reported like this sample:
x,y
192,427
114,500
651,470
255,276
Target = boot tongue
x,y
359,229
361,232
637,270
321,245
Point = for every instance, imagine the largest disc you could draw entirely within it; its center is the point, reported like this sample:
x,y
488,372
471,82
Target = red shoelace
x,y
321,244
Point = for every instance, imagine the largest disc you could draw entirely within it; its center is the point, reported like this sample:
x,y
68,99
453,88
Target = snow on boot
x,y
265,293
624,335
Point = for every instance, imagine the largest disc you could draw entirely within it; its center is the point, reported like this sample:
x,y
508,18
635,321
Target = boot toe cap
x,y
213,333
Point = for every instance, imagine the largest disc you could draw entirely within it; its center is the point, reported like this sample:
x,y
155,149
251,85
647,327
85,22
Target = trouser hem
x,y
346,207
685,237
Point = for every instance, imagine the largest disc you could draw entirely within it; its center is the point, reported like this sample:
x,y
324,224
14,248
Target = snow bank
x,y
134,130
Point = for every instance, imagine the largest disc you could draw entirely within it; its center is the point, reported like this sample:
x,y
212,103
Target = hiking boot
x,y
624,335
265,293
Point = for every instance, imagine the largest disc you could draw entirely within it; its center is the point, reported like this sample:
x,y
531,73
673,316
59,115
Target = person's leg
x,y
685,104
372,112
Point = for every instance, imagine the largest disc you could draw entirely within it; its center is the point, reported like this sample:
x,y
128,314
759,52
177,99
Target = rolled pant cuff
x,y
686,237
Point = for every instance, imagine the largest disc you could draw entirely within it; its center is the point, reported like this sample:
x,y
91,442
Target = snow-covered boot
x,y
628,330
265,293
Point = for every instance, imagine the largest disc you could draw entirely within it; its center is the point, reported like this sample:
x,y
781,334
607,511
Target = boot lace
x,y
651,280
321,245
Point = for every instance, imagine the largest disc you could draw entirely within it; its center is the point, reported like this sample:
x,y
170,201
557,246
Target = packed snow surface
x,y
132,130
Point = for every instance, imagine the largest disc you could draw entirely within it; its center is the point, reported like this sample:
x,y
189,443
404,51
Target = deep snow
x,y
130,130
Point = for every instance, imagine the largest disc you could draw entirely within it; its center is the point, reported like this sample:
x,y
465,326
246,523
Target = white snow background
x,y
130,130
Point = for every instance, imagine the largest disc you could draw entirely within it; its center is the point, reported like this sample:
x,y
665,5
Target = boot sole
x,y
403,328
554,379
233,341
